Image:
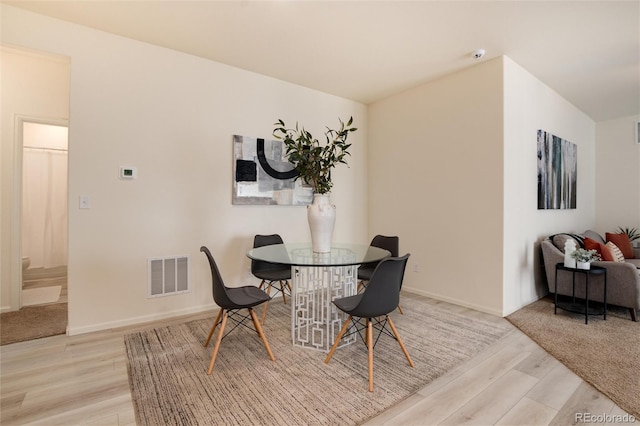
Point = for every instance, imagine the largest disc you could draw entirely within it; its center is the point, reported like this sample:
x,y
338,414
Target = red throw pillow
x,y
603,251
623,243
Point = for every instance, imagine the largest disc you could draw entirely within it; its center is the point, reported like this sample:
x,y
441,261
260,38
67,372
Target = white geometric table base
x,y
315,320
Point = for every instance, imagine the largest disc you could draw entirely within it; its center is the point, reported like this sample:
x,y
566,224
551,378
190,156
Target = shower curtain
x,y
44,207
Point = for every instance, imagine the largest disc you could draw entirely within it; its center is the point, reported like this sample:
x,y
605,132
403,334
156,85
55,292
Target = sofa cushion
x,y
623,243
615,252
602,249
589,233
560,239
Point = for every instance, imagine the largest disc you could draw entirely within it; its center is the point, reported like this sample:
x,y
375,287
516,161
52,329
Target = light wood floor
x,y
82,380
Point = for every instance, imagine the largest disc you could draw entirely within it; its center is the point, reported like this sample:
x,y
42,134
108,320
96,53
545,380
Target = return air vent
x,y
168,275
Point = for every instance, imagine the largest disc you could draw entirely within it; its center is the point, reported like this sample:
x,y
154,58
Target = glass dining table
x,y
318,278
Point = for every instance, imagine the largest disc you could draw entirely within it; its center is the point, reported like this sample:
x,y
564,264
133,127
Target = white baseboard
x,y
454,301
72,331
517,308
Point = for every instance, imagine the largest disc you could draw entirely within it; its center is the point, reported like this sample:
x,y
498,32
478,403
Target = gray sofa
x,y
623,278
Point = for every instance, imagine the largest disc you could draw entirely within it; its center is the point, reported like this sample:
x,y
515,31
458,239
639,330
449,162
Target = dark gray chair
x,y
390,243
271,273
384,242
231,300
380,297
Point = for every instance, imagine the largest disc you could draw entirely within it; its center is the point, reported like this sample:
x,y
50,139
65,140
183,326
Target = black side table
x,y
578,307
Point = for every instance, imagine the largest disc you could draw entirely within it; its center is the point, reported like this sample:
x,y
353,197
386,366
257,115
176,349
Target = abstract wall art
x,y
263,176
557,172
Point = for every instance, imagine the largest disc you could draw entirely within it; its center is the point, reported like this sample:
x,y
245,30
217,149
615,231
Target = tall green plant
x,y
312,160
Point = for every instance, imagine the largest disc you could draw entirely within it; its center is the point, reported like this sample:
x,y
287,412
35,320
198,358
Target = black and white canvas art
x,y
263,176
557,172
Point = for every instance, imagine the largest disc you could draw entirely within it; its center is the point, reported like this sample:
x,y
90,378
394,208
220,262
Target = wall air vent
x,y
168,276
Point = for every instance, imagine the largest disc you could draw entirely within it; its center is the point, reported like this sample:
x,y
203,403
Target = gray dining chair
x,y
389,243
271,273
380,297
231,300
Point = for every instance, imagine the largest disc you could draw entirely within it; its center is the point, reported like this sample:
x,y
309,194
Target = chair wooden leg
x,y
256,324
395,333
261,284
213,328
335,344
218,340
370,350
400,309
634,317
264,312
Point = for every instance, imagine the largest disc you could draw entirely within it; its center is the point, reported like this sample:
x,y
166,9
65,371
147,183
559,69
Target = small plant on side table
x,y
584,257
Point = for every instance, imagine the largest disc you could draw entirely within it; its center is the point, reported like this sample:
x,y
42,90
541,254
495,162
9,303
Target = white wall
x,y
172,116
530,105
34,85
617,175
436,180
459,156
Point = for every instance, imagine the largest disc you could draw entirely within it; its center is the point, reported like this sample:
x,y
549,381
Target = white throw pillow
x,y
615,252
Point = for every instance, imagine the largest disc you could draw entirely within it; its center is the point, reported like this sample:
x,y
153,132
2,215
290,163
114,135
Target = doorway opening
x,y
36,91
44,213
43,168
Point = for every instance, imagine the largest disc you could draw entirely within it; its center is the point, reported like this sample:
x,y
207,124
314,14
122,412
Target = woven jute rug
x,y
33,322
605,354
167,370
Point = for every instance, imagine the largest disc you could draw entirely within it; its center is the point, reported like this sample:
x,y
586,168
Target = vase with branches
x,y
314,162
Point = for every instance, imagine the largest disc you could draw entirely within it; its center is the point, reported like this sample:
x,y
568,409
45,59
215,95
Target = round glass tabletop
x,y
301,254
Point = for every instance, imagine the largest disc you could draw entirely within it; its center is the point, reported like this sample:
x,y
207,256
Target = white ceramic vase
x,y
583,265
322,218
569,247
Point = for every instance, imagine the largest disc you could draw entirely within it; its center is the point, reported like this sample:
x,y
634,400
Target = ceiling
x,y
587,51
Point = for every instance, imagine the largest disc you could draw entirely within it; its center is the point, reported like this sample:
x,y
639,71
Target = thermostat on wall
x,y
128,173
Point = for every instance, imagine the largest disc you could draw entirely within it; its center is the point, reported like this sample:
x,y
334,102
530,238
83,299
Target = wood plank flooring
x,y
82,380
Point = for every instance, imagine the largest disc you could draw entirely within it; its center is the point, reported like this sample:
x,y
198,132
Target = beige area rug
x,y
33,322
41,295
605,354
167,370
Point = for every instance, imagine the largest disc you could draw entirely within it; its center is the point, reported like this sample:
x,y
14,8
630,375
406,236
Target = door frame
x,y
16,211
